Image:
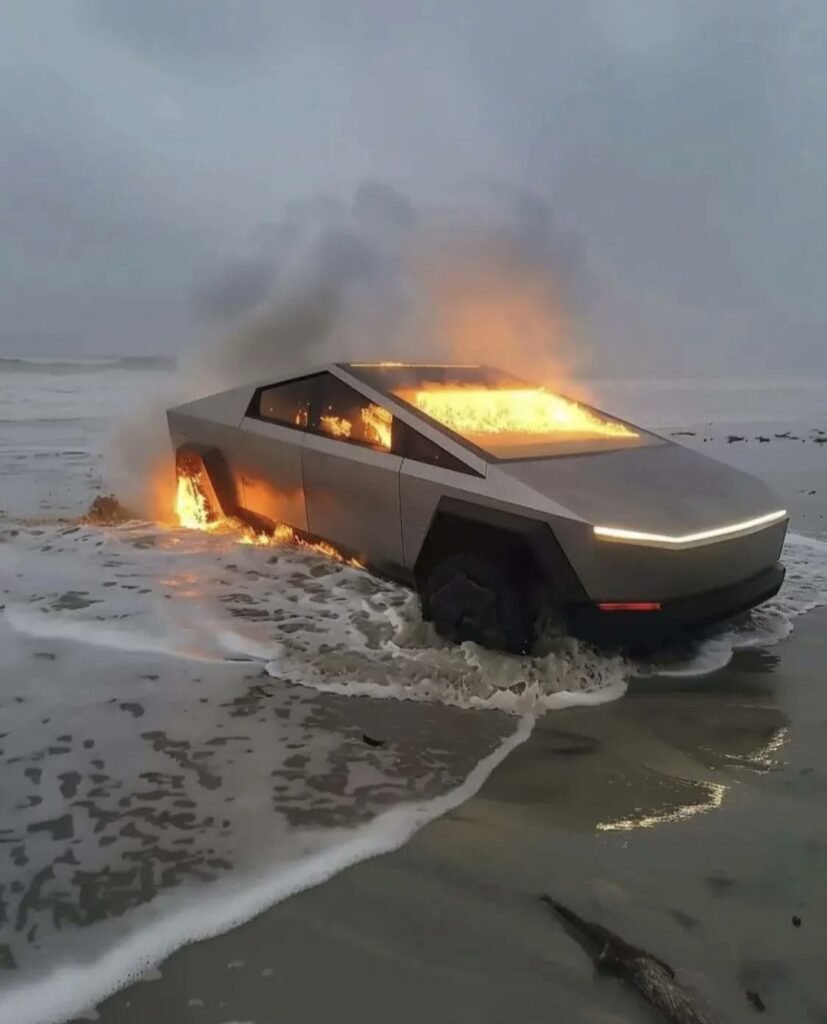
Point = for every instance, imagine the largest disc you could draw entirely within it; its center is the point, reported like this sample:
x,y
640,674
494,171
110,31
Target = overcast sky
x,y
680,147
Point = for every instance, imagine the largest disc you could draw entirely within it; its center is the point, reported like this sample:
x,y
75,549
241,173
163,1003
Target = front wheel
x,y
472,597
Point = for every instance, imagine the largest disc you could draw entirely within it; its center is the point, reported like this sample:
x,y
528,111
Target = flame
x,y
193,513
376,426
336,425
191,506
378,423
420,366
525,412
284,534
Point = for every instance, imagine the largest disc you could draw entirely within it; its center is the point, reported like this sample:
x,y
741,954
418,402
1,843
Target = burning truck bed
x,y
501,502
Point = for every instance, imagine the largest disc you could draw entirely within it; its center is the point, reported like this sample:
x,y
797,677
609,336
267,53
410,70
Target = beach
x,y
249,784
686,817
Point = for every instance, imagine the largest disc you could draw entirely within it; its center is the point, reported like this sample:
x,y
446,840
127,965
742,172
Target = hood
x,y
663,488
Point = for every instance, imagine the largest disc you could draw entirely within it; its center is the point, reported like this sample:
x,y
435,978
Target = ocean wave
x,y
298,615
189,918
19,364
193,796
330,627
168,671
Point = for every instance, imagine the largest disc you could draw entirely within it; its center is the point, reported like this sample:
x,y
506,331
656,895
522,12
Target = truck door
x,y
351,478
270,458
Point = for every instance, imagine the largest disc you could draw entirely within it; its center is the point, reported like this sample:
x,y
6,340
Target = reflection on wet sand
x,y
741,735
671,750
717,893
710,797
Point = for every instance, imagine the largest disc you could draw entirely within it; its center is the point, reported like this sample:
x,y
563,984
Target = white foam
x,y
309,621
468,676
335,628
178,598
68,991
127,639
804,589
313,621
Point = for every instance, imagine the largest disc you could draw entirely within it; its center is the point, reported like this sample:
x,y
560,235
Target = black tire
x,y
472,597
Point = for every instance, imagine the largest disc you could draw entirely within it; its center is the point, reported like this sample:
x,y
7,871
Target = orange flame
x,y
377,424
514,413
193,513
336,425
284,534
191,506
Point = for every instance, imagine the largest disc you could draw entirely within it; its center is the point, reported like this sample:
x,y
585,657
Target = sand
x,y
688,817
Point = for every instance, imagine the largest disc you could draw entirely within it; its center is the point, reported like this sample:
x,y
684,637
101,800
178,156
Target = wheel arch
x,y
210,463
458,525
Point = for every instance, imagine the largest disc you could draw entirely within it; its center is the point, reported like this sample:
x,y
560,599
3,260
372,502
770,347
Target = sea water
x,y
193,729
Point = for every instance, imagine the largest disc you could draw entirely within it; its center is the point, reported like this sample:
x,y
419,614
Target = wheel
x,y
472,597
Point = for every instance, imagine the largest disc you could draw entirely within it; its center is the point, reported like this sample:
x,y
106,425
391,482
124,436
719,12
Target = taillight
x,y
629,606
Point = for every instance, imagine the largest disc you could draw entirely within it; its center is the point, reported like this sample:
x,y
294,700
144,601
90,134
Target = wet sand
x,y
688,817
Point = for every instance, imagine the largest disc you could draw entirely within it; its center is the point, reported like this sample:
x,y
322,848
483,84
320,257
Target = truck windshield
x,y
500,414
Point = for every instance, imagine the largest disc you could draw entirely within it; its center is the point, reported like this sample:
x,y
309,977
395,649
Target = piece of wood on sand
x,y
651,977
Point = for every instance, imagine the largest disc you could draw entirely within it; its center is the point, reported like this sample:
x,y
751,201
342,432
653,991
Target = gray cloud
x,y
201,37
380,278
157,159
84,237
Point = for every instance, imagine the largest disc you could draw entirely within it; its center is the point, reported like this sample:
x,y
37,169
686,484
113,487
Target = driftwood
x,y
106,510
653,979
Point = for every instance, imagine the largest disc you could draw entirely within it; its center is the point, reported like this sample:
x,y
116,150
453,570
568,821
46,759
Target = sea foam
x,y
185,719
180,918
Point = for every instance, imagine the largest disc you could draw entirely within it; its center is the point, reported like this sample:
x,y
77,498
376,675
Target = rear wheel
x,y
472,597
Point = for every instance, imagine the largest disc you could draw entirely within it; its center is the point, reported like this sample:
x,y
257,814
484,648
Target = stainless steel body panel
x,y
184,428
352,494
381,507
230,441
228,407
269,469
422,486
630,572
661,489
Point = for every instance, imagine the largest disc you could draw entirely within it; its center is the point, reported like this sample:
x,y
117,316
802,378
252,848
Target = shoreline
x,y
449,926
683,816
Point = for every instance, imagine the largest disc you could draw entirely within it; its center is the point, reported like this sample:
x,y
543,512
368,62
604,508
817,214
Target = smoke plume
x,y
494,281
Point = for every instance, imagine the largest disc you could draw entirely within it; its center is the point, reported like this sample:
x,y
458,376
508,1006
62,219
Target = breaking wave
x,y
322,624
160,787
250,856
9,364
187,723
300,616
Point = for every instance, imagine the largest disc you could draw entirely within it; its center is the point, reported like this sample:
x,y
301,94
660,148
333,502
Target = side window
x,y
286,403
410,444
346,414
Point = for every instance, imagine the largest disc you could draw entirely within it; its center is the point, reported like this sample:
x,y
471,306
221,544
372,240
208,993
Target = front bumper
x,y
675,618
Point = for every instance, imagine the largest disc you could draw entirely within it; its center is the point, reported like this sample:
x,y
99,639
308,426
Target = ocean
x,y
193,728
